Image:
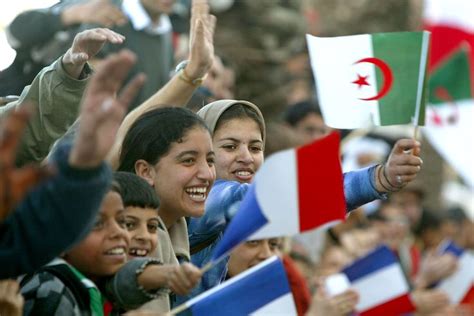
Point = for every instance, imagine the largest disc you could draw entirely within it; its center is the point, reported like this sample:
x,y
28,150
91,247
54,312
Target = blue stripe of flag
x,y
247,294
380,258
248,219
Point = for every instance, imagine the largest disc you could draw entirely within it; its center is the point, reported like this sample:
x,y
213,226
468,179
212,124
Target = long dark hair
x,y
150,137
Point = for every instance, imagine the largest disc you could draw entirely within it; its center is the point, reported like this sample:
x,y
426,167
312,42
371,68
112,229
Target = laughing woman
x,y
238,131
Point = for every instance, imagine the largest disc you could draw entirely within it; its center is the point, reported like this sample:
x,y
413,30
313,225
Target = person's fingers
x,y
112,71
407,170
129,92
110,35
404,145
405,159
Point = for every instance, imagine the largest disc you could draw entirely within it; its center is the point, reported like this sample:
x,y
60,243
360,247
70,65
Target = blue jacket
x,y
223,200
52,217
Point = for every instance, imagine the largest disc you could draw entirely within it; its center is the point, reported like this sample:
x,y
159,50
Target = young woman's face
x,y
251,253
239,150
104,250
184,176
142,225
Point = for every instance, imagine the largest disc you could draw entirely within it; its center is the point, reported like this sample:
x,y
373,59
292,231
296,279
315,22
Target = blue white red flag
x,y
294,191
381,284
261,290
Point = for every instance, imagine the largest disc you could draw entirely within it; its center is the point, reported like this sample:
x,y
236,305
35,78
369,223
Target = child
x,y
67,286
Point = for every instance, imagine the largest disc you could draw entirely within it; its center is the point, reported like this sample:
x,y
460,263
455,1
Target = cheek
x,y
258,160
223,160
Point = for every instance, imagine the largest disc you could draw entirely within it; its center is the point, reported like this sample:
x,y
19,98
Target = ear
x,y
146,171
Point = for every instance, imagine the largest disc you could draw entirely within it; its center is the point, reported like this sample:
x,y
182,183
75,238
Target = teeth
x,y
138,252
243,173
201,190
116,251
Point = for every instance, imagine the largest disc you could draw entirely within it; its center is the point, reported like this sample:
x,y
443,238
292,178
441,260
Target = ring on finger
x,y
399,179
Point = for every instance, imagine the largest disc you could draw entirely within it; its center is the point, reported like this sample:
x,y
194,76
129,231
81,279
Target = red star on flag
x,y
361,81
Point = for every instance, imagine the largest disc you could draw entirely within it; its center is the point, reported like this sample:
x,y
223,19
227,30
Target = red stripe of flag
x,y
395,307
320,183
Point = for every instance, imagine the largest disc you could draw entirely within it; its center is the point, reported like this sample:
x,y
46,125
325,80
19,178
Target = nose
x,y
244,155
206,172
265,251
141,234
115,231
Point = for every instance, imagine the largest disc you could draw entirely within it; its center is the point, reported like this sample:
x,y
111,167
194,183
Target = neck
x,y
169,218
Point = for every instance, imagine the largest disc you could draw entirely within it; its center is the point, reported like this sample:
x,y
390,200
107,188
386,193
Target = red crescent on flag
x,y
387,75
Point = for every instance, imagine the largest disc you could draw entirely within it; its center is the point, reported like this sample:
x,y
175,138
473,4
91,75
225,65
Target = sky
x,y
7,14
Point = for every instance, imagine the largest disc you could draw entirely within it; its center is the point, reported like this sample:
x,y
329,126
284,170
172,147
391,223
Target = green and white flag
x,y
371,79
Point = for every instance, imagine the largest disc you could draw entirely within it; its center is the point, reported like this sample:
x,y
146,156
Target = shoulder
x,y
46,294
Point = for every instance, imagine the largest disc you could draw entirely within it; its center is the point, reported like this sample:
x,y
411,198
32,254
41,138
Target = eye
x,y
229,147
129,224
188,161
211,161
152,228
253,243
256,149
274,244
98,225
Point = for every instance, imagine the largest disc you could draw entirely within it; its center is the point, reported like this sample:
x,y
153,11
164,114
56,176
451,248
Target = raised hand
x,y
201,54
14,183
85,46
11,301
102,112
402,166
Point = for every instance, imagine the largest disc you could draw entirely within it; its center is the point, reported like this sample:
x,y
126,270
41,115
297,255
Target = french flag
x,y
458,285
261,290
294,191
381,284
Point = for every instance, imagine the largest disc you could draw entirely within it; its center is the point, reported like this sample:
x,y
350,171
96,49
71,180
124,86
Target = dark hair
x,y
150,137
299,111
240,111
135,191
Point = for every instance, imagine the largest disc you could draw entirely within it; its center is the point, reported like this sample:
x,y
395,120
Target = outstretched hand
x,y
201,54
85,46
102,112
14,183
402,166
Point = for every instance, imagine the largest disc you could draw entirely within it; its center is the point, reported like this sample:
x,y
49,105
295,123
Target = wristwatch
x,y
181,71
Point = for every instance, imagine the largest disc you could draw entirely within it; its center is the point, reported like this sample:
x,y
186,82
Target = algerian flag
x,y
371,79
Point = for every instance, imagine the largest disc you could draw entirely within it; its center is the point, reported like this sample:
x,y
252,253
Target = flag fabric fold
x,y
371,79
381,284
261,290
294,191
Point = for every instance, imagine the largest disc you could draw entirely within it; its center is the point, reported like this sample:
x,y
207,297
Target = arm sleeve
x,y
359,187
52,217
55,97
123,288
45,294
221,204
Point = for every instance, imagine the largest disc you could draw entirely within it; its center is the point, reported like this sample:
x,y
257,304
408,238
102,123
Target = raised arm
x,y
180,88
56,93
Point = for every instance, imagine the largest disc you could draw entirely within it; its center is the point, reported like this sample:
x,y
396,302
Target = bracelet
x,y
194,82
380,180
396,188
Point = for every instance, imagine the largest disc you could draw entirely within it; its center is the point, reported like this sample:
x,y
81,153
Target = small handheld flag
x,y
307,193
261,290
371,79
379,280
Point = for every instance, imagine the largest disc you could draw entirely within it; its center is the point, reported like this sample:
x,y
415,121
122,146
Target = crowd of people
x,y
119,176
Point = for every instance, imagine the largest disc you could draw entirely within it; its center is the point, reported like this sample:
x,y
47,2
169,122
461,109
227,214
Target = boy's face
x,y
142,225
105,249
